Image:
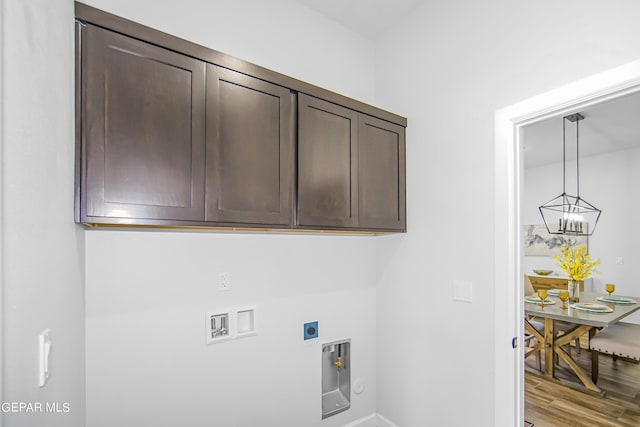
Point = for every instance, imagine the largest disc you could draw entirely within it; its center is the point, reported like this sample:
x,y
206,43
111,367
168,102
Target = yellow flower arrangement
x,y
576,262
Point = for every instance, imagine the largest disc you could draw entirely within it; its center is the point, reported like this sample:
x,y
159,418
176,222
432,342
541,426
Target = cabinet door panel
x,y
144,130
249,150
327,144
381,174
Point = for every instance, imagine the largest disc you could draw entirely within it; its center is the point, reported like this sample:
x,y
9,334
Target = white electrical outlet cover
x,y
224,281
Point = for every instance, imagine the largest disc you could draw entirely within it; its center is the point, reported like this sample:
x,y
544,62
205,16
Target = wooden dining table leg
x,y
549,366
595,362
558,345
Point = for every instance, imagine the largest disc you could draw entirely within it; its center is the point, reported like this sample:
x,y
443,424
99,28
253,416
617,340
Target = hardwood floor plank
x,y
632,417
583,415
563,402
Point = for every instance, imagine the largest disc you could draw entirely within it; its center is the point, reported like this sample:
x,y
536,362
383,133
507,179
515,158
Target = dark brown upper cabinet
x,y
381,174
170,133
250,163
351,169
327,156
143,131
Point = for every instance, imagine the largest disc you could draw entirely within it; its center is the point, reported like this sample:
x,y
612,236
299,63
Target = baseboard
x,y
368,421
383,422
373,420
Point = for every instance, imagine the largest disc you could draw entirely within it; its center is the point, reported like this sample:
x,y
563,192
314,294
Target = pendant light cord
x,y
573,215
564,150
577,159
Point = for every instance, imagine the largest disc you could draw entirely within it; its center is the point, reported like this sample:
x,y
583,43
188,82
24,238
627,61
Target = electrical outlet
x,y
224,281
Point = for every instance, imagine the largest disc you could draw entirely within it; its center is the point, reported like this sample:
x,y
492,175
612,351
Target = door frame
x,y
509,166
2,275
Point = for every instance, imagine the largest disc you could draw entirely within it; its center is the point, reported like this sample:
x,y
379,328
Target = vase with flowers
x,y
577,263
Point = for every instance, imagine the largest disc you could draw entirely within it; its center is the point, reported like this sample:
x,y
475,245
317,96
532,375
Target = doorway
x,y
509,166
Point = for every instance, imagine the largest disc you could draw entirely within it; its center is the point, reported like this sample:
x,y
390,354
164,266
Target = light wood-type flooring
x,y
564,403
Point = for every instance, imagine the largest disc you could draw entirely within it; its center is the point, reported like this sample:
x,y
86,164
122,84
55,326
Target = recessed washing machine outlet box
x,y
336,377
311,330
218,327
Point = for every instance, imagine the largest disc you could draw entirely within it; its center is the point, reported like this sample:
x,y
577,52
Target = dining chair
x,y
528,286
538,325
619,340
560,326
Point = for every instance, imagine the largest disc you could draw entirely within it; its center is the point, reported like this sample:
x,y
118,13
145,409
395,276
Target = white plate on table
x,y
617,300
591,307
554,292
536,300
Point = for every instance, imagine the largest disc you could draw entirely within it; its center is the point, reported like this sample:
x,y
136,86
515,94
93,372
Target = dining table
x,y
592,313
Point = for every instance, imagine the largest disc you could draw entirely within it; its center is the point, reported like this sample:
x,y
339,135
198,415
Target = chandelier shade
x,y
568,214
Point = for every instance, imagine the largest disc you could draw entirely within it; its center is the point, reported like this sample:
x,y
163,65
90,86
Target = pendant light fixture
x,y
567,214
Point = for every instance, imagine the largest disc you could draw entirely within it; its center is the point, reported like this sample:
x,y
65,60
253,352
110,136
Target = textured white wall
x,y
608,181
147,292
449,67
42,249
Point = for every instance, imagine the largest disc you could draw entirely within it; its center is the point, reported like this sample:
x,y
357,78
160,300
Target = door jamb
x,y
2,275
509,312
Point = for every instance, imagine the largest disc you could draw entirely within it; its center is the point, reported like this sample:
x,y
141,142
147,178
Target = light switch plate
x,y
44,357
462,291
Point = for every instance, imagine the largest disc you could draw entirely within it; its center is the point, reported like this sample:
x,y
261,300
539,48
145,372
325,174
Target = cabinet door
x,y
249,176
143,130
381,174
327,155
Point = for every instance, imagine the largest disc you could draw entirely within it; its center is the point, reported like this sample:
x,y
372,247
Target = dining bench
x,y
619,340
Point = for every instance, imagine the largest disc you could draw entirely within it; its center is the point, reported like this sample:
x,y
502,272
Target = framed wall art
x,y
538,242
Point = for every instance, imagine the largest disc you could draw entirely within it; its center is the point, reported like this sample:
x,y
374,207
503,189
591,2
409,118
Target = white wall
x,y
147,292
42,249
281,35
2,280
449,67
608,181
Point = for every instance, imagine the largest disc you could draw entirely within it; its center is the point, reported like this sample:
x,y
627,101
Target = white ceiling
x,y
369,18
607,127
